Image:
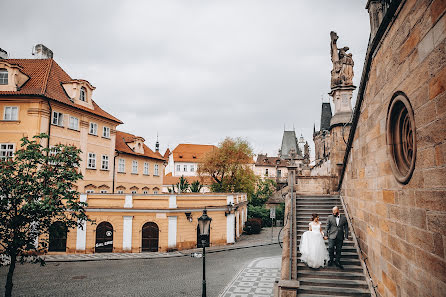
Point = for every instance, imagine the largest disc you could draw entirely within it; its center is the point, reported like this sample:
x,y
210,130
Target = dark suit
x,y
336,234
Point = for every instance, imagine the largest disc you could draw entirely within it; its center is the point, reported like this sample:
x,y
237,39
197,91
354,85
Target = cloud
x,y
197,71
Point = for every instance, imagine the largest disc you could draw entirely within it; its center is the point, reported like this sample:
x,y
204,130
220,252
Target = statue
x,y
342,73
306,153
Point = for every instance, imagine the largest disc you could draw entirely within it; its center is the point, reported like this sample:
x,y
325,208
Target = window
x,y
3,76
121,165
103,191
135,167
91,161
93,129
83,94
104,163
279,172
146,168
178,168
106,132
401,138
156,170
11,113
89,191
133,192
192,168
120,192
57,118
185,168
6,150
145,192
266,172
73,123
155,191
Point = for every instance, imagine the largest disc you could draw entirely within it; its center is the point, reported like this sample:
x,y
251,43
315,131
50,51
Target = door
x,y
58,237
104,238
150,237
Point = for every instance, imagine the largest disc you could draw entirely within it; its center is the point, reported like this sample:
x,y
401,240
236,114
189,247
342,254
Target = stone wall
x,y
402,227
316,185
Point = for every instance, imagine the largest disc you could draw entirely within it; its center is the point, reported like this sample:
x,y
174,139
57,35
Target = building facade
x,y
185,159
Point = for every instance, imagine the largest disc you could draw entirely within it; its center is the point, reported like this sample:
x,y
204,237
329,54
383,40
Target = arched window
x,y
104,238
58,237
3,76
83,94
150,237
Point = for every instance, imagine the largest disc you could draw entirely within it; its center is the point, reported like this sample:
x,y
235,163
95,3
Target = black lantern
x,y
230,206
204,223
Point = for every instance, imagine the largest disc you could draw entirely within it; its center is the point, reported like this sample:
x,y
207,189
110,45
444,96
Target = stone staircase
x,y
329,281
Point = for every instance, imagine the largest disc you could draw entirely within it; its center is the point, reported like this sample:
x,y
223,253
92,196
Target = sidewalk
x,y
256,280
245,241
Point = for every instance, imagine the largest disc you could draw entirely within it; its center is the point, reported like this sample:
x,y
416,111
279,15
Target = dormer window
x,y
83,94
3,76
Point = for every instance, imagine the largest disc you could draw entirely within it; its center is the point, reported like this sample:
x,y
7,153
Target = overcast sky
x,y
197,71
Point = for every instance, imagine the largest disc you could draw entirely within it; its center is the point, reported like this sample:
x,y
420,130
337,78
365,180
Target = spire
x,y
157,144
314,129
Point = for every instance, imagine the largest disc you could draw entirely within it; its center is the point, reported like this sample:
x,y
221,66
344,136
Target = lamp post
x,y
204,222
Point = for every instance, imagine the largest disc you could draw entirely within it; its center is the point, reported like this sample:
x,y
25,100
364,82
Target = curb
x,y
185,253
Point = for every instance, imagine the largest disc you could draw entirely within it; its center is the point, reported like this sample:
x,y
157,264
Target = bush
x,y
253,226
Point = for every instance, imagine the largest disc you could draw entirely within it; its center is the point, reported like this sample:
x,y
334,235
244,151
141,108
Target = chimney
x,y
3,54
42,52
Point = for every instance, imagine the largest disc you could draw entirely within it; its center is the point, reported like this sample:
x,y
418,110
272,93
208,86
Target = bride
x,y
312,245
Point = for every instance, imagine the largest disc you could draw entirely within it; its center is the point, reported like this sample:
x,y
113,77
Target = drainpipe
x,y
114,171
49,124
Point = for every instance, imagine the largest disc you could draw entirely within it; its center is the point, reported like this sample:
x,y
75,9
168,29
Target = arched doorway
x,y
150,236
199,244
58,237
104,238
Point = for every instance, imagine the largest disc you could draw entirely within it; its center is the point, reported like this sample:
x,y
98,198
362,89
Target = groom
x,y
336,231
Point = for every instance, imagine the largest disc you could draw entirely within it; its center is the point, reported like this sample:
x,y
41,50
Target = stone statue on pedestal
x,y
342,73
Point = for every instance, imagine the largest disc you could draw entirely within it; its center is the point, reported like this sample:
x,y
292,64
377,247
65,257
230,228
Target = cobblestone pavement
x,y
256,280
266,237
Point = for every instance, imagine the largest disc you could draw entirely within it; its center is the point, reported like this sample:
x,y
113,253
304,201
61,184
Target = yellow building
x,y
138,223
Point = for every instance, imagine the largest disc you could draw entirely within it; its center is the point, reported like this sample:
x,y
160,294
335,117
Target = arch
x,y
150,237
104,238
58,237
208,241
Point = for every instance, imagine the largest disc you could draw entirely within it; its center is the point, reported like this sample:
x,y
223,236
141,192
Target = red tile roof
x,y
264,160
191,152
123,138
46,78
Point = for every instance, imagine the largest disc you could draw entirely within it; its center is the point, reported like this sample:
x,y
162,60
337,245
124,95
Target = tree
x,y
37,189
264,190
195,187
182,185
228,167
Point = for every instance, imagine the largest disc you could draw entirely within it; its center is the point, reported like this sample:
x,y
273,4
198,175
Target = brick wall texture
x,y
402,228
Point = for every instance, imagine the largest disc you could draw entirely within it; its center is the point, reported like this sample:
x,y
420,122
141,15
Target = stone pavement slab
x,y
256,280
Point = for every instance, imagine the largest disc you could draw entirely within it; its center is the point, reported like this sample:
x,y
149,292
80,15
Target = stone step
x,y
333,291
349,262
316,206
345,254
302,267
345,283
332,274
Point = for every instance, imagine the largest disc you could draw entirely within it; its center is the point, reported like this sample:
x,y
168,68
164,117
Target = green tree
x,y
182,185
37,189
264,190
228,166
195,187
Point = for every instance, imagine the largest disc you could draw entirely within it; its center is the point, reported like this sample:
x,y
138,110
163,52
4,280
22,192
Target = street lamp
x,y
204,223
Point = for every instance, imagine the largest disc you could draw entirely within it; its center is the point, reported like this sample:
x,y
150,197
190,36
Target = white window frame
x,y
155,192
12,115
73,123
93,129
134,192
146,168
7,150
89,191
104,162
178,167
135,167
121,165
120,192
145,192
3,78
266,172
192,168
156,170
57,119
91,156
103,192
185,168
83,94
106,132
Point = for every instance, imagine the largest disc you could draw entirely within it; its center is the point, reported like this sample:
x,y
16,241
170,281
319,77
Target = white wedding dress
x,y
312,247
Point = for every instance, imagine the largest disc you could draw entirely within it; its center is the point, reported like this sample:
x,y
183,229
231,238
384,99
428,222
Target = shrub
x,y
253,226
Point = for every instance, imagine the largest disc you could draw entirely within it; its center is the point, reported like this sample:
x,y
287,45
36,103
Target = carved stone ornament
x,y
342,72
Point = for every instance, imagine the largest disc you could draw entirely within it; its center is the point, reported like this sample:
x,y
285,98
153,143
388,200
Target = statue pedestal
x,y
342,99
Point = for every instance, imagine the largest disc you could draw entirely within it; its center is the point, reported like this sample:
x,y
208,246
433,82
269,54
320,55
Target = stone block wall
x,y
402,227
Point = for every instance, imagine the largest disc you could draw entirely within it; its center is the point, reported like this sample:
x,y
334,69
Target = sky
x,y
197,71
